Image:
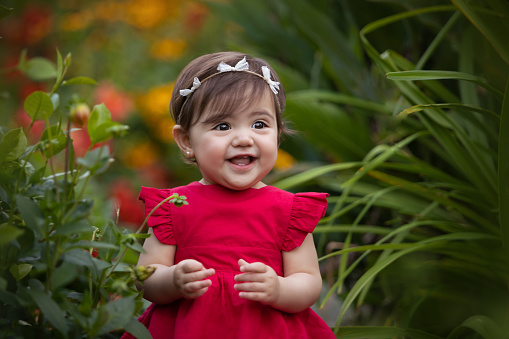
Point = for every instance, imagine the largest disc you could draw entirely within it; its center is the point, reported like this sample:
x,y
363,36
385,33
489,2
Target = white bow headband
x,y
241,66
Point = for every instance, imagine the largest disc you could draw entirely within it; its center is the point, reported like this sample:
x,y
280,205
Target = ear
x,y
183,141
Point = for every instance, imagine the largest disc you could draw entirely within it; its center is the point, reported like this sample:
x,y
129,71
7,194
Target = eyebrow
x,y
215,118
263,112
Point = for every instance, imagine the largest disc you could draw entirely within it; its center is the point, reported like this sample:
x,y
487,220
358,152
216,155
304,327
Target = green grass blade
x,y
503,170
382,158
311,174
492,24
382,332
338,98
437,41
417,75
370,274
481,324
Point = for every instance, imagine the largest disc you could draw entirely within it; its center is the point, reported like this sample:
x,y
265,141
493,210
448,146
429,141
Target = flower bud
x,y
79,114
143,272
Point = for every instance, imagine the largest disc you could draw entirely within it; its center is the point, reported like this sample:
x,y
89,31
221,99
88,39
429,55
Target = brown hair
x,y
223,93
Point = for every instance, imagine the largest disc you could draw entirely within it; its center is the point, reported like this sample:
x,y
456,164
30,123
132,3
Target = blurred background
x,y
332,58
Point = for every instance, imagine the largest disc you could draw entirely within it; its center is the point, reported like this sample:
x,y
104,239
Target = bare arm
x,y
296,291
171,282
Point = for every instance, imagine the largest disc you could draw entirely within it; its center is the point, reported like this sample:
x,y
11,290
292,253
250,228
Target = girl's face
x,y
238,151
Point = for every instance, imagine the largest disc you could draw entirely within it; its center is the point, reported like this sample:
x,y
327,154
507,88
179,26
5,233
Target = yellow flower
x,y
155,103
109,10
76,21
167,48
162,130
154,109
150,13
284,160
141,155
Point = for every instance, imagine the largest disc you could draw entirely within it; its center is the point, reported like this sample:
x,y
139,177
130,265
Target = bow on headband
x,y
243,66
186,92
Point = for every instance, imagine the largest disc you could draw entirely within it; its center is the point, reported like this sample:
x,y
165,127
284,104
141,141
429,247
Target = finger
x,y
256,267
195,286
254,277
199,275
196,294
250,287
191,266
242,262
254,296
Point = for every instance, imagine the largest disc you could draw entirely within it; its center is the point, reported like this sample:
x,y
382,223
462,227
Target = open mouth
x,y
241,160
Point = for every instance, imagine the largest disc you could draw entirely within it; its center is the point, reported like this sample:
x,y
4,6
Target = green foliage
x,y
61,269
406,104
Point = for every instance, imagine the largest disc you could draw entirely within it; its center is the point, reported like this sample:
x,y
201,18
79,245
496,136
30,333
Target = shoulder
x,y
150,193
301,199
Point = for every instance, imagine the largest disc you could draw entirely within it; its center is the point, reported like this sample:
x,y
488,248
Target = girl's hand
x,y
189,276
258,282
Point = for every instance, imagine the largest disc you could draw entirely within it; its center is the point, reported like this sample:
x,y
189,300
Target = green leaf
x,y
98,123
40,69
79,81
31,213
13,145
490,22
483,325
100,114
381,332
370,274
313,173
80,226
93,244
503,170
96,161
137,329
64,274
384,156
50,309
9,233
60,65
38,105
20,271
55,144
4,11
103,132
438,75
119,313
55,100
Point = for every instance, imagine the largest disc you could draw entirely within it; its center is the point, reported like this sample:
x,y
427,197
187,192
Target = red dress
x,y
217,228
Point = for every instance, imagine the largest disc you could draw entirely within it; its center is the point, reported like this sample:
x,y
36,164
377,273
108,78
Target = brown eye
x,y
222,127
259,125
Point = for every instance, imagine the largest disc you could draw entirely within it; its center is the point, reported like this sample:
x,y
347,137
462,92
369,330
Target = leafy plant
x,y
61,268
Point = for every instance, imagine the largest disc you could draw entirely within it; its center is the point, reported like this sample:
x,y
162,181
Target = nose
x,y
242,138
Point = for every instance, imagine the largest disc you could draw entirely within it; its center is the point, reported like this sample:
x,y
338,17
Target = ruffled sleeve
x,y
160,220
307,210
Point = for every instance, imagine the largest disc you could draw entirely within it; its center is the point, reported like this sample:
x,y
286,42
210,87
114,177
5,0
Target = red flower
x,y
126,198
80,141
119,103
34,23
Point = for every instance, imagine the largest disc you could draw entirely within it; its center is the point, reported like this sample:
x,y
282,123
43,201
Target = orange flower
x,y
142,155
76,21
167,48
150,13
284,160
153,107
